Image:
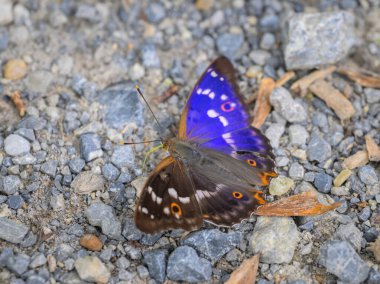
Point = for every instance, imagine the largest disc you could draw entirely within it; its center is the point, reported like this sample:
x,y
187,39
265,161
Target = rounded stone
x,y
280,185
14,69
15,145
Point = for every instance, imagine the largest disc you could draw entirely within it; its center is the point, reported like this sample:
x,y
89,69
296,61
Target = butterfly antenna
x,y
155,118
141,142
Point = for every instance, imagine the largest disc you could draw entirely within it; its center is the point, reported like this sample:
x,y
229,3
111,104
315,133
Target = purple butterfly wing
x,y
215,117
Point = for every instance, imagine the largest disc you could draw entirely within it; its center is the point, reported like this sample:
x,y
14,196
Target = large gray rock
x,y
11,231
156,262
315,39
212,244
275,238
185,265
102,215
340,259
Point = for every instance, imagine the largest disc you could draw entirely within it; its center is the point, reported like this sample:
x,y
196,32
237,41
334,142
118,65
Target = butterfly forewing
x,y
168,200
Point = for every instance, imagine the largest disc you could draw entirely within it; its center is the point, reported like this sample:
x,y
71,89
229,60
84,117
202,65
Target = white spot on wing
x,y
199,91
206,92
223,97
159,200
212,113
213,74
151,216
223,120
166,211
209,69
211,95
221,79
150,189
154,196
184,200
144,210
173,193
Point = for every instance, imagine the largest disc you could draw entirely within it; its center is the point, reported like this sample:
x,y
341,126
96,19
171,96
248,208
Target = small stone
x,y
323,182
204,5
102,215
14,69
91,269
351,234
26,133
340,259
6,13
87,182
268,41
156,262
340,190
39,81
269,22
259,57
372,95
298,135
275,238
130,231
49,167
31,122
18,264
280,185
367,174
91,242
137,72
4,39
29,240
274,133
15,202
38,261
374,277
229,44
76,165
12,231
142,271
285,105
90,146
149,56
212,244
155,12
110,172
15,145
365,214
371,234
132,252
310,44
88,12
123,156
10,184
342,177
185,265
57,202
318,149
296,171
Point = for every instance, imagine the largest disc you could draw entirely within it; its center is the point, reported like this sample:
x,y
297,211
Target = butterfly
x,y
215,162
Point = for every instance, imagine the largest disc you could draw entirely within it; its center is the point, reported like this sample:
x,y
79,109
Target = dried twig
x,y
18,102
246,272
284,79
359,159
303,204
262,107
166,95
372,148
333,98
363,78
301,85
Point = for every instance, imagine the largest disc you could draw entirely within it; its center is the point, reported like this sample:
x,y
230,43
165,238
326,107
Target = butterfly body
x,y
214,164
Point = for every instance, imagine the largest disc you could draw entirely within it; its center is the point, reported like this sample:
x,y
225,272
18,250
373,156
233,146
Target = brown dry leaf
x,y
246,272
166,95
301,85
284,79
363,78
18,102
333,98
358,159
303,204
262,106
372,148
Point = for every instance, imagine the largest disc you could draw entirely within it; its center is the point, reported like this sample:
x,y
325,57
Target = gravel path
x,y
68,187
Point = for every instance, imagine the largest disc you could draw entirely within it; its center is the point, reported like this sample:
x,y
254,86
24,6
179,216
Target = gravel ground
x,y
68,188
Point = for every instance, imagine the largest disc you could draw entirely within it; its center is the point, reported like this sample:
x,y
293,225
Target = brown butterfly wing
x,y
168,200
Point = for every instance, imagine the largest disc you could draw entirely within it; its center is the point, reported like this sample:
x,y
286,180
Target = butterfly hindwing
x,y
168,200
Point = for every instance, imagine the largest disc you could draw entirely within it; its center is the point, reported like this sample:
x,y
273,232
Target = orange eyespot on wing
x,y
176,209
251,162
259,199
237,194
228,106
